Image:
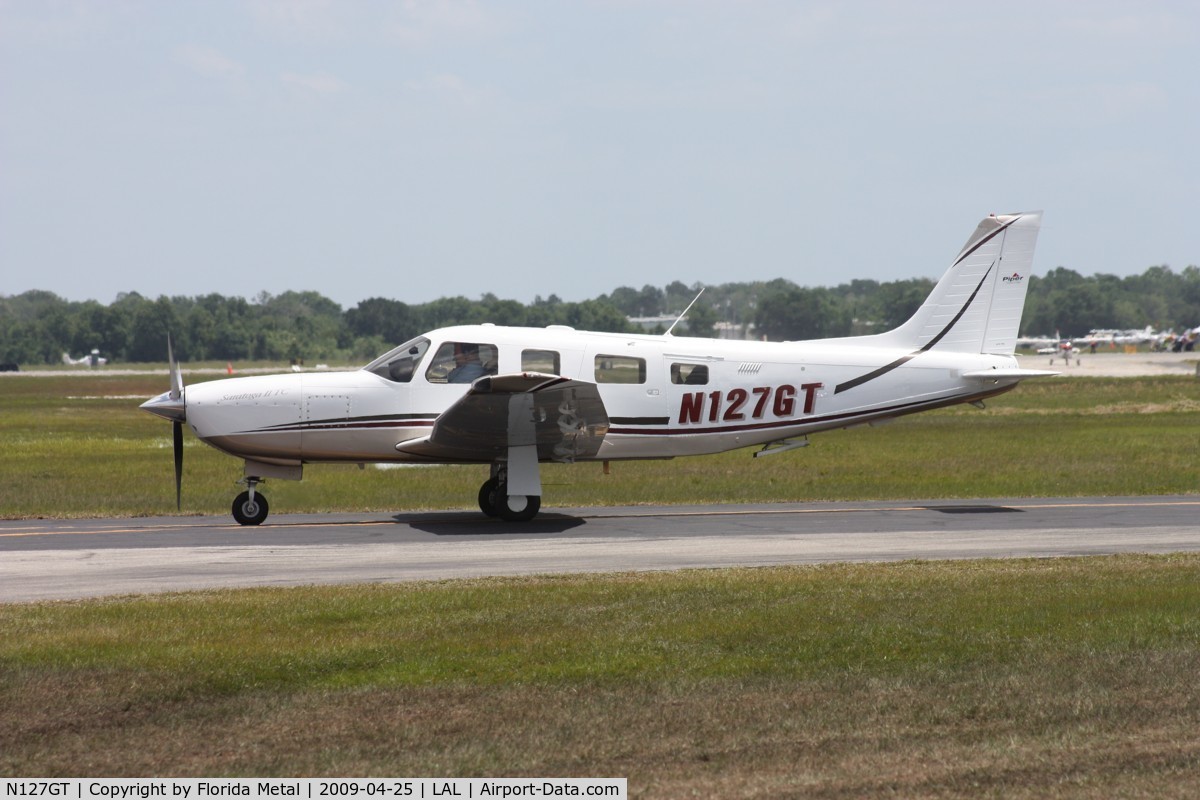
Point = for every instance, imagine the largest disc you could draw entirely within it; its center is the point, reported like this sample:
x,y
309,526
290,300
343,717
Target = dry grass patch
x,y
978,735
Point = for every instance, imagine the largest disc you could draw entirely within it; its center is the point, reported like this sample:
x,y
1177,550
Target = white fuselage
x,y
664,396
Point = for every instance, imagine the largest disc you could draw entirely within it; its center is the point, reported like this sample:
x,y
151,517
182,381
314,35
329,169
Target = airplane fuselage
x,y
514,398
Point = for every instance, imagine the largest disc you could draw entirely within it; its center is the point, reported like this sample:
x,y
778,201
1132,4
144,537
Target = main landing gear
x,y
250,507
495,501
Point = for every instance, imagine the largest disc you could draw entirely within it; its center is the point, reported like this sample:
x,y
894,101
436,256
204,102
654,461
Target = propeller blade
x,y
178,409
176,375
178,437
172,405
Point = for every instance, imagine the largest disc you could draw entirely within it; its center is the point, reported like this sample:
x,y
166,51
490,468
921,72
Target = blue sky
x,y
415,150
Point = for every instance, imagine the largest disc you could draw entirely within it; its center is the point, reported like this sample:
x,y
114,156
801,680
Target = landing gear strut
x,y
250,507
495,501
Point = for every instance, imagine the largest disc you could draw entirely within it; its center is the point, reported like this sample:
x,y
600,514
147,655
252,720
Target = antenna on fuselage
x,y
684,314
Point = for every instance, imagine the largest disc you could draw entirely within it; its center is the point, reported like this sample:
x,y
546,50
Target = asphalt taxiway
x,y
67,559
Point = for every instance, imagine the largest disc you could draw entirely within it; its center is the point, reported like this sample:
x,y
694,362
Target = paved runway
x,y
1107,363
64,559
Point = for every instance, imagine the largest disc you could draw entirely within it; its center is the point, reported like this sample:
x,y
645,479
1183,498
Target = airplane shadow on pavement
x,y
475,524
974,509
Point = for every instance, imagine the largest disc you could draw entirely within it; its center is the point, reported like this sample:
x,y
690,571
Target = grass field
x,y
77,445
1054,678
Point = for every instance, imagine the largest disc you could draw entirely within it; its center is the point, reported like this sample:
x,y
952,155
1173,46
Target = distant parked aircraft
x,y
92,359
1107,337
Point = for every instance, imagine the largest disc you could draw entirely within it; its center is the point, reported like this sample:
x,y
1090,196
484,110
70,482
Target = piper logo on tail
x,y
1016,277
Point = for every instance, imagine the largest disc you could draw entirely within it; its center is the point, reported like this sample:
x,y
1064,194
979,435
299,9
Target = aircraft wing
x,y
564,418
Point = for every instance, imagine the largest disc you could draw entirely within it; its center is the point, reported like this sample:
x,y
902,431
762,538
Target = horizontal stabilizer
x,y
565,419
1019,374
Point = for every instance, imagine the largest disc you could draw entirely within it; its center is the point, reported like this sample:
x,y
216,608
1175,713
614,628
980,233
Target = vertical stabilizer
x,y
976,306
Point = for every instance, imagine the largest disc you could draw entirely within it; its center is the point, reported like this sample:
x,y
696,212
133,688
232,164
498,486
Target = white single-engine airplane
x,y
517,397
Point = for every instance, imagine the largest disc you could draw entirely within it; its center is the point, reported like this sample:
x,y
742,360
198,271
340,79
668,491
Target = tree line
x,y
37,327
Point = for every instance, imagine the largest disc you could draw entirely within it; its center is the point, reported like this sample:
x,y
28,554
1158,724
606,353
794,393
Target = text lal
x,y
531,789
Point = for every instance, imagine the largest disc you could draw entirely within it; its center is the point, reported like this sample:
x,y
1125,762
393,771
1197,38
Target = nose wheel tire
x,y
250,512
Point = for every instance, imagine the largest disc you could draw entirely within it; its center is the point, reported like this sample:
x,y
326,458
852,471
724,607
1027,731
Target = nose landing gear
x,y
250,507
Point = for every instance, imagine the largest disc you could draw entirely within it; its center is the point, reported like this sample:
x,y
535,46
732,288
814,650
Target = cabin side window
x,y
620,369
545,361
399,365
461,362
690,374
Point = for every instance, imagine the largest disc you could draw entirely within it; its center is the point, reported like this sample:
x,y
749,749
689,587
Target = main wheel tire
x,y
250,512
518,507
489,497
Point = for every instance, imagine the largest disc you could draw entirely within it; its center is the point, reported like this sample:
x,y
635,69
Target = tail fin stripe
x,y
870,376
961,311
983,241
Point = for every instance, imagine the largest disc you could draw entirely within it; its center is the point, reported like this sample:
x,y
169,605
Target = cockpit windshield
x,y
400,364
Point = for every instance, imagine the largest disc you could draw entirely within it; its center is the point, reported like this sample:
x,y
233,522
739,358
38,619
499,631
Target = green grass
x,y
1071,677
78,446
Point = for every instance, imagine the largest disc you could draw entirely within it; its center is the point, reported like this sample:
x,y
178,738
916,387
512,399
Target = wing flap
x,y
564,418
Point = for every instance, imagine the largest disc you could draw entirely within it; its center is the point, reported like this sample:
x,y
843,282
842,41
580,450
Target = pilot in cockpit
x,y
467,365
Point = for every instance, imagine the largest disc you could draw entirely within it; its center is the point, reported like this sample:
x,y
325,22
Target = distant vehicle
x,y
92,359
9,366
513,398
